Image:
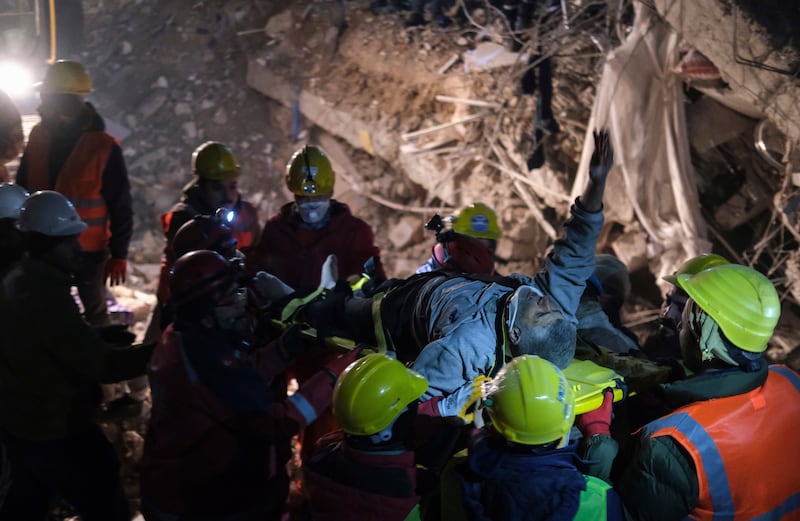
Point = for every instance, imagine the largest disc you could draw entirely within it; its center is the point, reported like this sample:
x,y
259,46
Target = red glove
x,y
597,421
115,271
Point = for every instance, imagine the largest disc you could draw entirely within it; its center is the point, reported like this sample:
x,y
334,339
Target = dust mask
x,y
313,212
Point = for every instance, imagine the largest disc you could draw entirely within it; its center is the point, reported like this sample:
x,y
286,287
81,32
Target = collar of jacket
x,y
713,384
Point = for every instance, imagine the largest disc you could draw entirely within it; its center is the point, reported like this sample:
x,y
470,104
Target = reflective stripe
x,y
788,374
97,221
790,505
88,203
714,467
305,408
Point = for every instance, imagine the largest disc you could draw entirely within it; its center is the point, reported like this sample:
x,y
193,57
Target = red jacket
x,y
744,450
344,483
245,229
217,442
295,255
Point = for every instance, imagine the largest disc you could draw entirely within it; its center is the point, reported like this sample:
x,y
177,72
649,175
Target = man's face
x,y
221,194
67,254
689,339
60,110
314,208
532,310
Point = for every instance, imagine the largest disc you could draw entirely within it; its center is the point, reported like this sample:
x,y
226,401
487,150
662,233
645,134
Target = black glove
x,y
116,335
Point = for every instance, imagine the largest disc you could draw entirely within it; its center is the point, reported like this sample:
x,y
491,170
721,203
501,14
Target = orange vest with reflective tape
x,y
80,180
745,450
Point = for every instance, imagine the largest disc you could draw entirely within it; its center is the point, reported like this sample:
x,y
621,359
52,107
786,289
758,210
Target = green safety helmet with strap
x,y
215,161
533,403
696,265
477,220
742,301
66,77
309,172
373,391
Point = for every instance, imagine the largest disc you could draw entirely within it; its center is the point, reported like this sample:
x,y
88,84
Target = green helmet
x,y
372,391
742,301
533,403
214,161
696,265
309,172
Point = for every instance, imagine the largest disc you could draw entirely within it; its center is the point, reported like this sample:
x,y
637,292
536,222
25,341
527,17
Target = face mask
x,y
313,212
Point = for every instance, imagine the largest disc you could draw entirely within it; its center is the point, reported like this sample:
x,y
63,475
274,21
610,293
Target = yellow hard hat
x,y
372,391
214,161
309,172
533,403
696,265
742,301
66,77
477,220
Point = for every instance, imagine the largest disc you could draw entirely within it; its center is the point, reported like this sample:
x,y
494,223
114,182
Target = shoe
x,y
122,408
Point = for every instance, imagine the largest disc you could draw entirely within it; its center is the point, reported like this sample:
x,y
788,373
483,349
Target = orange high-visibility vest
x,y
80,180
744,449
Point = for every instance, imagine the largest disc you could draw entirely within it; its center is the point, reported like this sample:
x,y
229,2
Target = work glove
x,y
116,335
597,421
268,289
479,390
602,157
115,271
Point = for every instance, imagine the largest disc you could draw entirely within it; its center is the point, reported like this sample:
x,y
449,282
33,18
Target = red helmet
x,y
466,254
199,275
204,233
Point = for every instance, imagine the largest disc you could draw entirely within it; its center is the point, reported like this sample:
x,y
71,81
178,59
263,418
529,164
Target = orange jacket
x,y
744,450
80,180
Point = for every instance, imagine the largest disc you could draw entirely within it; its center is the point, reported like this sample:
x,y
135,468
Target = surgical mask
x,y
313,212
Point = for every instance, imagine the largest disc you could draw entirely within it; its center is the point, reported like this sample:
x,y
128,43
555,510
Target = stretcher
x,y
587,379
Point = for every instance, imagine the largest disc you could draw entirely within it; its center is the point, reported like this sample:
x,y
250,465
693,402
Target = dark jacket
x,y
116,190
344,483
295,254
499,484
51,360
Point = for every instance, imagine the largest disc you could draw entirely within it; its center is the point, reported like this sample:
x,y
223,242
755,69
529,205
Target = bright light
x,y
15,79
230,215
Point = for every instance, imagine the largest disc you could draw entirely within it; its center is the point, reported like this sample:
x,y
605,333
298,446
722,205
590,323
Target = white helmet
x,y
11,198
51,214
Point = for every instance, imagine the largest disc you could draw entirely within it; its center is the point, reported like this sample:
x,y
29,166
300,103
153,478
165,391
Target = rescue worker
x,y
367,470
12,139
70,152
663,344
468,245
456,327
297,240
11,198
214,187
217,440
522,465
728,447
51,362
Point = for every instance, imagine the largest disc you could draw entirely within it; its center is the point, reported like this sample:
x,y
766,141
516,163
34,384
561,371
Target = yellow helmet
x,y
309,172
66,77
533,403
477,220
372,391
214,161
742,301
696,265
